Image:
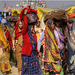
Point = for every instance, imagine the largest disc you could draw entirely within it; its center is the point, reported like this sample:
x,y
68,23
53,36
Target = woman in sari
x,y
5,49
60,38
17,44
11,28
51,53
71,49
30,64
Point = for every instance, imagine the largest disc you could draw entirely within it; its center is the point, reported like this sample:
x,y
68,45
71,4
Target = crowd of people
x,y
35,50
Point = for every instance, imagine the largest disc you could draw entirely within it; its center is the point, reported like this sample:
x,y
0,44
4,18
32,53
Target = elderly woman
x,y
51,53
59,37
71,49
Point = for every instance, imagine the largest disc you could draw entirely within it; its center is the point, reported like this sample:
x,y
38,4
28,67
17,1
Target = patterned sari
x,y
60,39
4,52
30,64
71,51
51,54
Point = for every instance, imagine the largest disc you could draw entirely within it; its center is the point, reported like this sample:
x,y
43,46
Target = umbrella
x,y
58,14
12,18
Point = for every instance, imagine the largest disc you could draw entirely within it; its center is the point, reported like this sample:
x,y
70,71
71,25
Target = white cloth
x,y
39,41
3,21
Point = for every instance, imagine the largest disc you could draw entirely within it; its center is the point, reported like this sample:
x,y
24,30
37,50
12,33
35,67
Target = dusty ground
x,y
14,70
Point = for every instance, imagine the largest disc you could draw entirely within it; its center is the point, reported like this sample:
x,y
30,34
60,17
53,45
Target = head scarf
x,y
49,23
17,32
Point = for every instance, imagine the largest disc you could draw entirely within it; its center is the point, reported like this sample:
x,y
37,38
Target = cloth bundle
x,y
32,18
58,14
31,15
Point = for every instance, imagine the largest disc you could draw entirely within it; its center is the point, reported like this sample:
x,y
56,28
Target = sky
x,y
50,3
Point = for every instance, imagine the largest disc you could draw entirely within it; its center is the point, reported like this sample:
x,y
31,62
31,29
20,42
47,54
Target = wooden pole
x,y
27,2
63,6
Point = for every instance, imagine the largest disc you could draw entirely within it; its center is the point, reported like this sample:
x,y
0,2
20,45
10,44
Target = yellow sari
x,y
4,52
51,54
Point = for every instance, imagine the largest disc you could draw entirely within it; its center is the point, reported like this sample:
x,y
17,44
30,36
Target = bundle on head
x,y
62,23
58,14
31,15
32,18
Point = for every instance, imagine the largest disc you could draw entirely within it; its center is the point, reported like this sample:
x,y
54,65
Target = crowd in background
x,y
18,44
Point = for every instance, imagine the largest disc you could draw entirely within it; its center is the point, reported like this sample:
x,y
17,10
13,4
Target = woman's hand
x,y
13,48
39,53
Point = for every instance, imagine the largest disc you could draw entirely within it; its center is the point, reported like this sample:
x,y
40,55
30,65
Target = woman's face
x,y
20,25
12,24
52,25
38,24
4,27
25,11
57,24
70,23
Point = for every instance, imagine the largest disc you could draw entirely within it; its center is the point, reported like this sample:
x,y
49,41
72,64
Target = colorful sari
x,y
60,39
71,51
51,54
4,52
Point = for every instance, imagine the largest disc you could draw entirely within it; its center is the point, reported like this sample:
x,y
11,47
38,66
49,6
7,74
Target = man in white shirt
x,y
3,20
